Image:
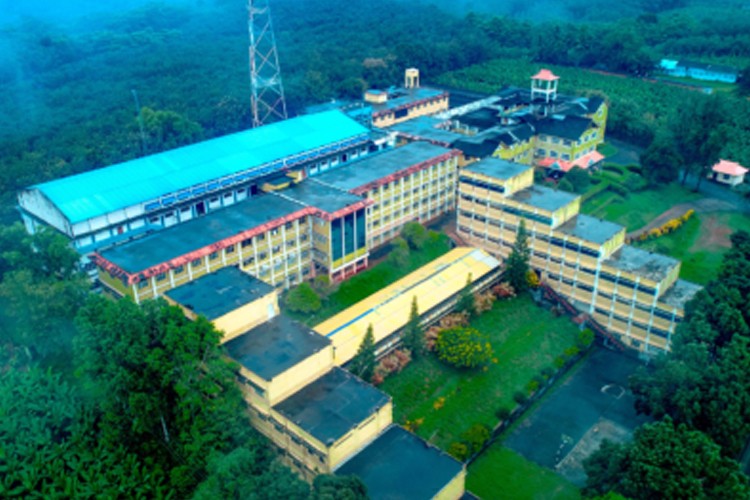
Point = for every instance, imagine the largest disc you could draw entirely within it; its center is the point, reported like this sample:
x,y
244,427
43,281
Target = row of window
x,y
471,181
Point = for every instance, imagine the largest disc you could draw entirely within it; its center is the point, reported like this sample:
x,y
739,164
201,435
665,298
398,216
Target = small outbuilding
x,y
728,172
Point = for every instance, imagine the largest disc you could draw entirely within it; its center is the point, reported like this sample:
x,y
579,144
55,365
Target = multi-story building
x,y
415,182
278,237
112,204
322,418
537,126
634,294
398,105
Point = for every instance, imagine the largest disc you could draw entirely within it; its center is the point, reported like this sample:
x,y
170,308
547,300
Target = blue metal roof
x,y
91,194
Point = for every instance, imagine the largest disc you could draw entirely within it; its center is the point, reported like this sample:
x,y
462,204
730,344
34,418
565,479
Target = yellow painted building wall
x,y
520,152
564,214
357,438
430,108
455,489
248,316
566,149
312,453
292,380
265,256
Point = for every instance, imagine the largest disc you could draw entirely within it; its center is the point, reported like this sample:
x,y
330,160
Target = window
x,y
161,276
178,269
213,255
196,262
229,249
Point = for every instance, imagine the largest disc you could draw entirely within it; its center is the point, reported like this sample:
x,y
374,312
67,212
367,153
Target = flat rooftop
x,y
98,192
544,198
497,168
272,348
680,294
374,167
334,404
311,193
591,229
399,465
426,127
220,293
172,242
401,97
645,264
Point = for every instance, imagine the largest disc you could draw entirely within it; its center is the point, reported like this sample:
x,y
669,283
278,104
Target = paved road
x,y
715,190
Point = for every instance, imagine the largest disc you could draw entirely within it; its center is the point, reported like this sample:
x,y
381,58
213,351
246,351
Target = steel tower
x,y
267,98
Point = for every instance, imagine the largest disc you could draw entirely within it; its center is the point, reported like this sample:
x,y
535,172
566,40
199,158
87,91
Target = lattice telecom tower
x,y
267,98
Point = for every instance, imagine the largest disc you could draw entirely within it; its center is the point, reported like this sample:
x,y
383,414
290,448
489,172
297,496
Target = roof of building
x,y
716,68
399,465
593,103
544,197
377,166
274,347
388,309
169,243
98,192
477,147
649,265
332,405
591,229
482,118
565,126
404,97
311,193
497,168
729,168
545,74
220,293
426,127
680,294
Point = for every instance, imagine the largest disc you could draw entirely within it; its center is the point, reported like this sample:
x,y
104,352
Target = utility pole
x,y
267,92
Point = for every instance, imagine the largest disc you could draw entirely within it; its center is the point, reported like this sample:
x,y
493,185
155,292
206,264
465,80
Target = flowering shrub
x,y
668,227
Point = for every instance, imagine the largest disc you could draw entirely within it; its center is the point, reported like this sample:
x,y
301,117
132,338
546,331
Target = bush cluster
x,y
668,227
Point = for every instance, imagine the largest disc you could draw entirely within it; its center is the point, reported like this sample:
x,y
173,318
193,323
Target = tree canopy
x,y
705,381
665,461
517,263
363,363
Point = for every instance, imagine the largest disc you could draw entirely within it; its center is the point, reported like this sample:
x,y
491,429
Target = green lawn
x,y
502,473
696,245
377,277
606,149
525,338
639,208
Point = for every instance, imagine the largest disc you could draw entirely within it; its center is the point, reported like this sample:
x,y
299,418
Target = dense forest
x,y
69,87
101,399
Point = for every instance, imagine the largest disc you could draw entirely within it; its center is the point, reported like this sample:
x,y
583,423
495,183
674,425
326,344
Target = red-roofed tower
x,y
544,90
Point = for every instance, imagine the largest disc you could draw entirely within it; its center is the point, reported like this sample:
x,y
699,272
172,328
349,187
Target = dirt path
x,y
702,206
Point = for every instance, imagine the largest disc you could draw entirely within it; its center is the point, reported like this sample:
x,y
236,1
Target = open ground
x,y
592,405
